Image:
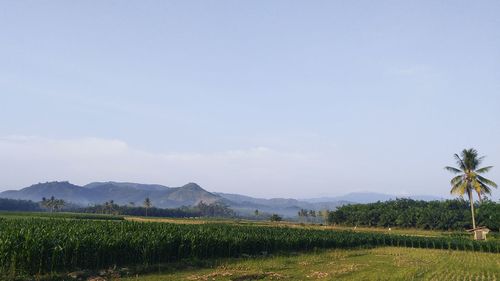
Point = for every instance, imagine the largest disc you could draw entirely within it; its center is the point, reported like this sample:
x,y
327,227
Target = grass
x,y
387,263
58,215
402,231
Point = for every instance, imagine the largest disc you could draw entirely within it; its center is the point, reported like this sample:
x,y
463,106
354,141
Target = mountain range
x,y
370,197
120,193
187,195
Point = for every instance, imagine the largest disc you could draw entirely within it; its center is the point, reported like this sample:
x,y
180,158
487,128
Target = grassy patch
x,y
386,263
58,215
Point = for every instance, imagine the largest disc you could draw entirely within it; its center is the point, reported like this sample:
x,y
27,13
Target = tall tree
x,y
324,214
59,204
106,207
45,203
147,204
53,204
469,177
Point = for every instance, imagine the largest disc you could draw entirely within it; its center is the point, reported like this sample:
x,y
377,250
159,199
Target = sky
x,y
265,98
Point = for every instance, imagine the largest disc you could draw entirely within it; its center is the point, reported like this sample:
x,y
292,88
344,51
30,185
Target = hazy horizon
x,y
326,196
261,98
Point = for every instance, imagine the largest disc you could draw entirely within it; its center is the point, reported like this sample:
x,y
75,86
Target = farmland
x,y
82,216
32,246
384,263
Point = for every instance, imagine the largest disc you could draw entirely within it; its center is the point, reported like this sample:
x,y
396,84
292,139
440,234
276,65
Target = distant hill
x,y
283,206
123,193
120,193
131,185
370,197
63,190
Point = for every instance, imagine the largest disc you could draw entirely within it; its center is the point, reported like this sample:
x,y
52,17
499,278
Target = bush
x,y
275,217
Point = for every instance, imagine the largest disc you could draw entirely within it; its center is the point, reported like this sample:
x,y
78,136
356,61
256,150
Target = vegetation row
x,y
53,205
442,215
39,246
61,215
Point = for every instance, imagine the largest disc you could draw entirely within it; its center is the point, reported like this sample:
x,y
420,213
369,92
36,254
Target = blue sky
x,y
265,98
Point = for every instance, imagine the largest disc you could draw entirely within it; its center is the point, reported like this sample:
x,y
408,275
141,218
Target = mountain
x,y
62,190
120,193
370,197
187,195
162,196
283,206
131,185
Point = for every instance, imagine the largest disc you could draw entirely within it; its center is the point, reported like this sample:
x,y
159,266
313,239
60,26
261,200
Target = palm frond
x,y
470,158
479,160
484,169
487,181
460,188
456,180
453,169
478,188
460,162
485,189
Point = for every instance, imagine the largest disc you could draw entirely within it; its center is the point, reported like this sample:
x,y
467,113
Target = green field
x,y
385,263
49,246
393,230
58,215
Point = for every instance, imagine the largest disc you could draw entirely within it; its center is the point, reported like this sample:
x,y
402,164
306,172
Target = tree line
x,y
202,209
441,215
52,204
18,205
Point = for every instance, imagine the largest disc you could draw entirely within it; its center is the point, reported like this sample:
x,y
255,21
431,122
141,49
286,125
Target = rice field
x,y
384,263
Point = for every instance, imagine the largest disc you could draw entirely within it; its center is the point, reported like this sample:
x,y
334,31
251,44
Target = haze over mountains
x,y
187,195
121,193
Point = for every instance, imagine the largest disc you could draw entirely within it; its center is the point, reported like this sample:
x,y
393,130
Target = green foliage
x,y
488,214
115,209
442,215
469,177
52,203
18,205
216,209
38,246
384,263
201,210
275,217
78,216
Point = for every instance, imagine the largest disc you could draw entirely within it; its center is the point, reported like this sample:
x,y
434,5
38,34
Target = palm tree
x,y
303,213
312,214
111,206
469,177
324,215
147,204
59,204
106,207
52,203
45,203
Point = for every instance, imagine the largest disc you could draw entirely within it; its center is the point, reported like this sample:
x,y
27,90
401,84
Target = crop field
x,y
16,215
393,230
47,246
384,263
